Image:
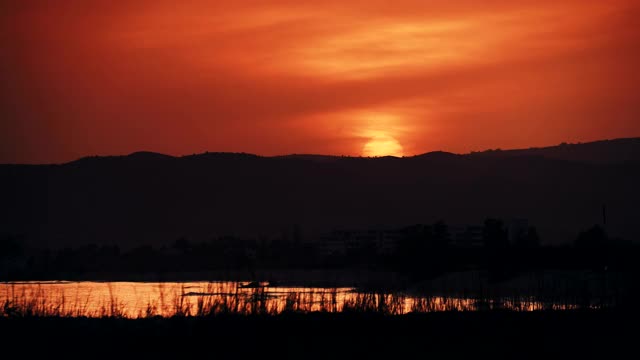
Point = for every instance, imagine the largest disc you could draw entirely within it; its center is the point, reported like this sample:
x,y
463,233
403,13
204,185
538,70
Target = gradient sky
x,y
83,77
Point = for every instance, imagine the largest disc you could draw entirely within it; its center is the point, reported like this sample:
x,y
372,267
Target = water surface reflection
x,y
143,299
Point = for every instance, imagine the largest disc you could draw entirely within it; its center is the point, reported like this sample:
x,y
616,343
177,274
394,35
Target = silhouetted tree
x,y
494,234
529,239
10,247
182,245
440,234
414,242
595,237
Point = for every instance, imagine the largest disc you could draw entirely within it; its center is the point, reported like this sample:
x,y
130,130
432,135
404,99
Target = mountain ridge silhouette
x,y
151,198
615,150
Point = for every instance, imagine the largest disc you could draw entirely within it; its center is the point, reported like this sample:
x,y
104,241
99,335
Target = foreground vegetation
x,y
373,325
540,334
25,300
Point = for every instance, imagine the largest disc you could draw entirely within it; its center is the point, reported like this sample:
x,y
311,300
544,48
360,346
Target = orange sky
x,y
82,77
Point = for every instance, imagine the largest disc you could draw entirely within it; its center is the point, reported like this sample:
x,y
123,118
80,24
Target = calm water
x,y
140,299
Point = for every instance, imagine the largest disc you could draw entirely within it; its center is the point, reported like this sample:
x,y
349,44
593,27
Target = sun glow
x,y
373,49
383,145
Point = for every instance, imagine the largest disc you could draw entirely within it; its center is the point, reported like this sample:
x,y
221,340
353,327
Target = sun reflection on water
x,y
144,299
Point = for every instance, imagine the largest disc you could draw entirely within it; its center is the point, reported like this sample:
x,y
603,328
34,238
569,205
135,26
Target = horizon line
x,y
325,155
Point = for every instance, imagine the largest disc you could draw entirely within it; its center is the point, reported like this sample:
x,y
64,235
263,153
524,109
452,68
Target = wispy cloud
x,y
273,77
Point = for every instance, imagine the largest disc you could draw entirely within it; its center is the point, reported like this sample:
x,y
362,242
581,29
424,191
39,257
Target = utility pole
x,y
604,292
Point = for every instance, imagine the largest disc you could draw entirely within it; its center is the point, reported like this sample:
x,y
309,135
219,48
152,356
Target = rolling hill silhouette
x,y
149,198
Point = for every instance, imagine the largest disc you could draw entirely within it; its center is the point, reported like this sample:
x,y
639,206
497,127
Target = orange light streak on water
x,y
143,299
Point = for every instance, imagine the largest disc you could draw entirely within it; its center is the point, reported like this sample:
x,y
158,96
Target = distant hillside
x,y
605,151
148,198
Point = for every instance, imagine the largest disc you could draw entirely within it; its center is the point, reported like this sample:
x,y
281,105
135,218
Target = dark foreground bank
x,y
588,334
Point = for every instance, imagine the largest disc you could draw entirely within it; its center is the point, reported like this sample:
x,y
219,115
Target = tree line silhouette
x,y
421,251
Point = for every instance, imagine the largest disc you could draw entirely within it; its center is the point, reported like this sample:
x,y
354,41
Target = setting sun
x,y
369,78
383,145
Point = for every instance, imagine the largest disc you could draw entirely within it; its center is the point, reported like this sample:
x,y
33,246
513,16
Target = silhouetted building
x,y
361,239
517,229
466,236
334,243
341,242
388,241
